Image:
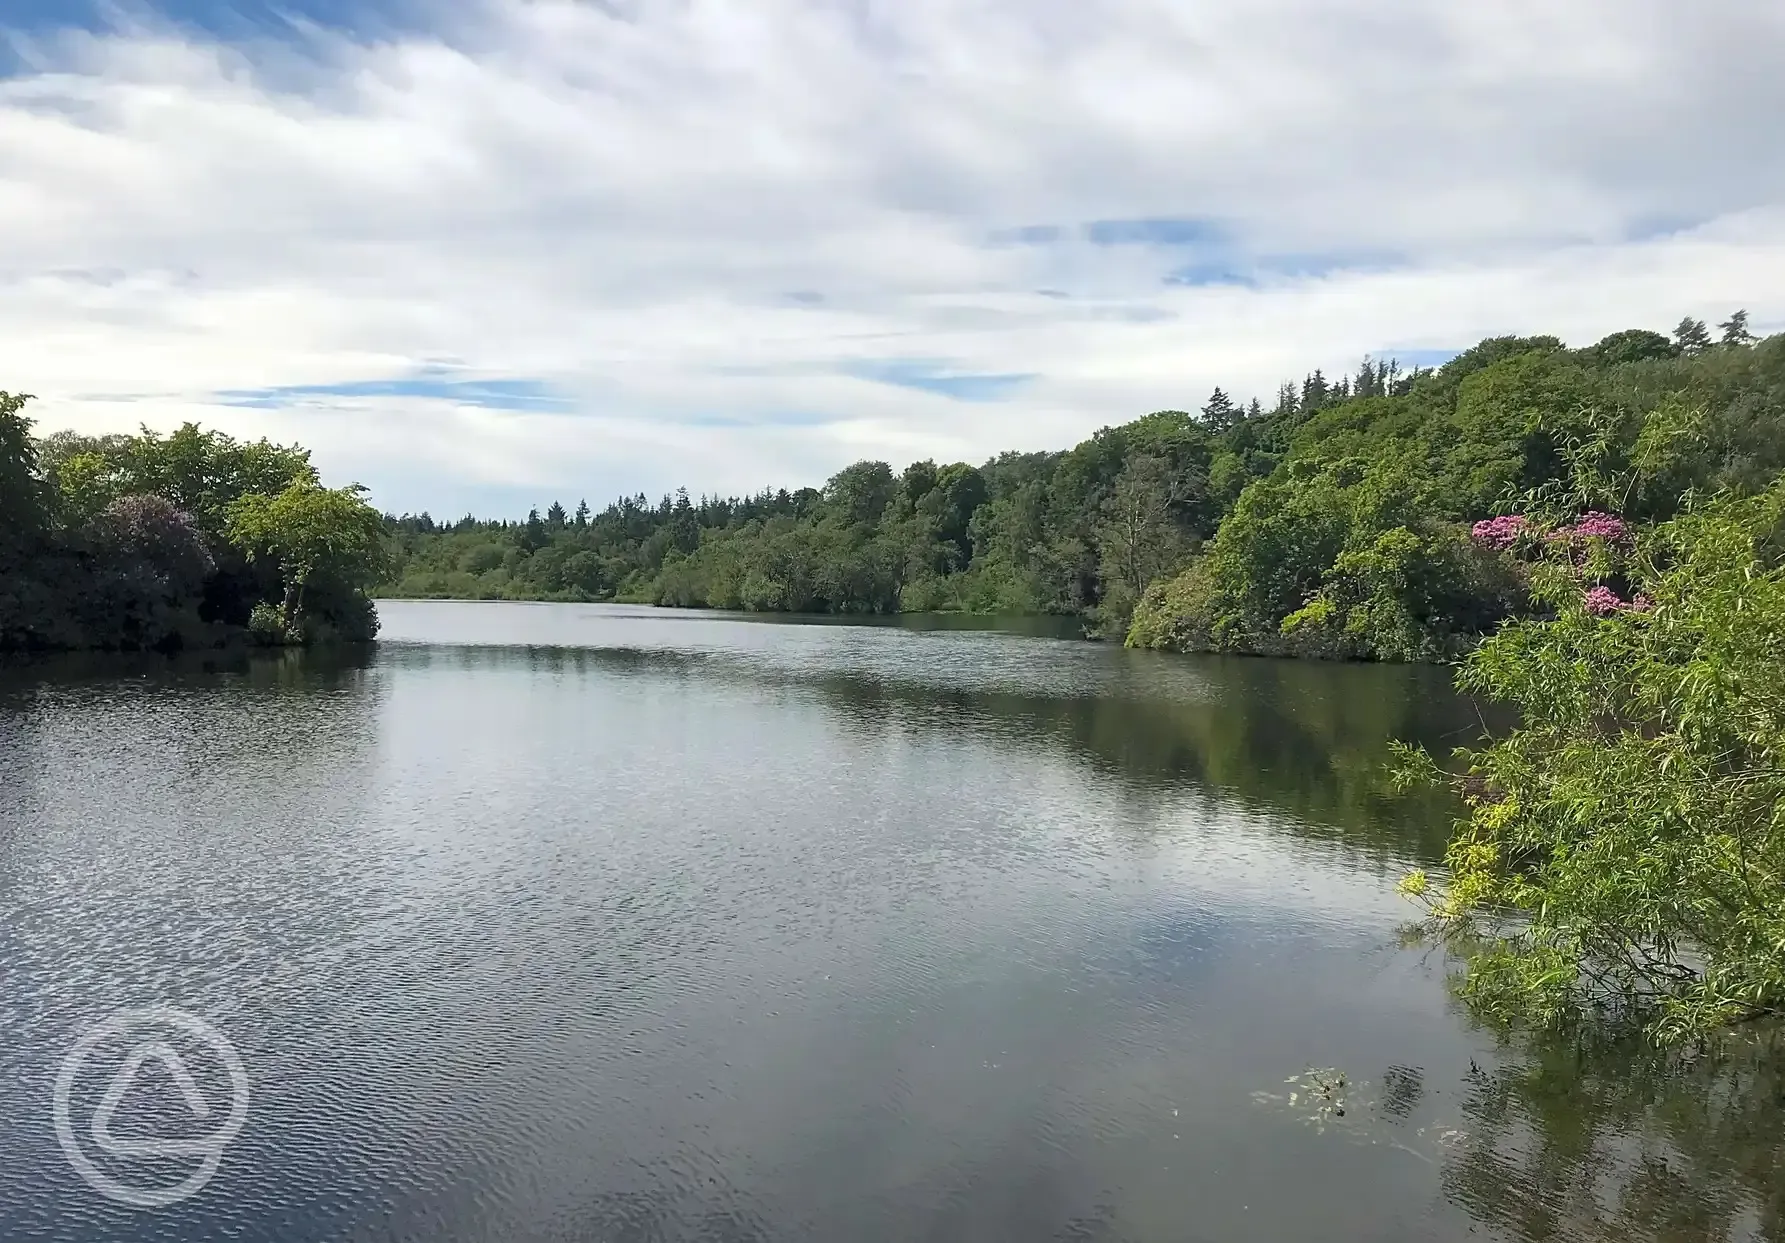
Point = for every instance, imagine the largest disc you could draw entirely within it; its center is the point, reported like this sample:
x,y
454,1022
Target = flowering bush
x,y
1621,854
1502,532
1595,525
1602,601
1593,548
151,529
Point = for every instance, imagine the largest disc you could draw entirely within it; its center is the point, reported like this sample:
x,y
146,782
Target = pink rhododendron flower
x,y
1502,532
1603,601
1594,524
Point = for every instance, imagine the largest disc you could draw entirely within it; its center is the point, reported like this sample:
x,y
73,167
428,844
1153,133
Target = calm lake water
x,y
563,922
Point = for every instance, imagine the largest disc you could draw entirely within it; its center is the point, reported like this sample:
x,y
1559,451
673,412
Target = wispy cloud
x,y
643,233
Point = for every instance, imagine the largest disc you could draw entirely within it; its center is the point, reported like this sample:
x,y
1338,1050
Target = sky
x,y
484,255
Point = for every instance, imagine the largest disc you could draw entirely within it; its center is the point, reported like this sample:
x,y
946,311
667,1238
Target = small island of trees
x,y
160,543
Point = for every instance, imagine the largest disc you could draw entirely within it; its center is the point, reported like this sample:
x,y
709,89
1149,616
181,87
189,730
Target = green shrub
x,y
1625,846
267,628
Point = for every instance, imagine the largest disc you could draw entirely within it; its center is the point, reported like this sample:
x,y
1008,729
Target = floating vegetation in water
x,y
1328,1098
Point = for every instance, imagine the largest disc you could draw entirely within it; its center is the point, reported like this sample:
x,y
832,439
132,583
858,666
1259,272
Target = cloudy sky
x,y
485,254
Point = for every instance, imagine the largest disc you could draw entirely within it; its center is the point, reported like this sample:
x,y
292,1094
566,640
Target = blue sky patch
x,y
1134,314
1206,274
226,20
1651,228
532,395
772,418
1251,270
1027,235
1161,231
1418,357
1315,264
930,376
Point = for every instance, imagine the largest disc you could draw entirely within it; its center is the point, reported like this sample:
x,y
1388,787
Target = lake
x,y
577,922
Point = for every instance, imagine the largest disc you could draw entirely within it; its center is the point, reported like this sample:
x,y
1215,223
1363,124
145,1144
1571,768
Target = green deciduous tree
x,y
21,497
310,531
860,493
1137,537
1633,345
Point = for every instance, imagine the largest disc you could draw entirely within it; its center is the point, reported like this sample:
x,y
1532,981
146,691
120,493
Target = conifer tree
x,y
1220,413
1692,336
1735,330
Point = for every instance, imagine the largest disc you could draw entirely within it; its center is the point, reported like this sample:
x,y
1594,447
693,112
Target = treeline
x,y
1082,531
194,539
1337,521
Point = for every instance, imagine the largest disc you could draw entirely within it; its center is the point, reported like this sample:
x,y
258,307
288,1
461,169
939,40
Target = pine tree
x,y
1220,412
1692,336
1365,385
582,515
684,526
554,517
1735,330
1287,405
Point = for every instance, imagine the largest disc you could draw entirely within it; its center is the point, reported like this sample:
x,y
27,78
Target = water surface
x,y
565,922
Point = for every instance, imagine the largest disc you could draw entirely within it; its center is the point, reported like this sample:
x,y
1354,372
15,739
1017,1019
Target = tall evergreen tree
x,y
554,517
684,525
1365,385
1287,403
1692,336
1735,330
582,515
1220,413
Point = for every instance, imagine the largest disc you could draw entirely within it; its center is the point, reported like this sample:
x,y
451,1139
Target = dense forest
x,y
154,542
1339,521
1597,534
1381,515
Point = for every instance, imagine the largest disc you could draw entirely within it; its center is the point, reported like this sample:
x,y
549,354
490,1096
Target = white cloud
x,y
619,207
